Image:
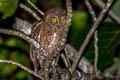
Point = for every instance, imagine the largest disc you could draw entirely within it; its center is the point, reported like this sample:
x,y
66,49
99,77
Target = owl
x,y
48,32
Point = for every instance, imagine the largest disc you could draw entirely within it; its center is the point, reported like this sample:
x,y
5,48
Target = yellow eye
x,y
63,21
54,20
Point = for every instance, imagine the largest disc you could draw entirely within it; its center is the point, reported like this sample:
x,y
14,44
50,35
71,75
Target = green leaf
x,y
8,7
109,39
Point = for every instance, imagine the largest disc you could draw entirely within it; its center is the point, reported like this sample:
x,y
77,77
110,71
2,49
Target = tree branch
x,y
30,11
69,16
22,67
40,11
116,18
90,9
96,51
92,12
84,64
19,34
90,34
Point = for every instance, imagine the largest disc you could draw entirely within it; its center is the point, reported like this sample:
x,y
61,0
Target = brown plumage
x,y
48,32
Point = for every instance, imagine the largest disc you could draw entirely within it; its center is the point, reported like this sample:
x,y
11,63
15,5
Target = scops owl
x,y
48,32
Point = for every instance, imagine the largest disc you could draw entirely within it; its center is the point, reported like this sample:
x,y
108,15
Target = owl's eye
x,y
63,21
54,20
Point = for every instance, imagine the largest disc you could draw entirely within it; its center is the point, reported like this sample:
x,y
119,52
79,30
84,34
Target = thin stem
x,y
69,10
41,12
67,59
22,67
84,64
96,50
64,59
116,18
90,9
90,34
69,16
30,11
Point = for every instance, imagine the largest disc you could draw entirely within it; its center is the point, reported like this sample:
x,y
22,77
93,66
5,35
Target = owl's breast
x,y
49,38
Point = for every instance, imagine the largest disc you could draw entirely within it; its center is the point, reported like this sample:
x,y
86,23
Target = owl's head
x,y
55,16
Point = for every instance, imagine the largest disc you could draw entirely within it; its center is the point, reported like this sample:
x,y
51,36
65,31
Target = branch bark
x,y
92,12
116,18
40,11
96,51
30,11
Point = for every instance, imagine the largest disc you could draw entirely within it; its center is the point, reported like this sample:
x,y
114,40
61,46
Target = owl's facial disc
x,y
55,17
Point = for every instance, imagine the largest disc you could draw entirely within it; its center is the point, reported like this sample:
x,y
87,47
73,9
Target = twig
x,y
84,64
90,9
96,51
41,12
69,11
19,34
22,67
69,16
64,59
67,59
68,22
116,18
91,32
30,11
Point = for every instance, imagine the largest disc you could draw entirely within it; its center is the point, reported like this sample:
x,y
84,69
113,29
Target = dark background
x,y
16,49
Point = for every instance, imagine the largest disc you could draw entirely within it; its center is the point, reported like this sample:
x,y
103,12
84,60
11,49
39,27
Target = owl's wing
x,y
36,28
35,53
